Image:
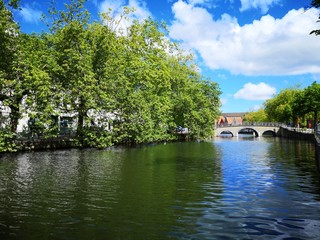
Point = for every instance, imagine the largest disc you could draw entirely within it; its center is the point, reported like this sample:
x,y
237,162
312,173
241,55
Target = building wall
x,y
230,119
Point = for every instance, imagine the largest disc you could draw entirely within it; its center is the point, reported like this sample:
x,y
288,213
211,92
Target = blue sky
x,y
252,48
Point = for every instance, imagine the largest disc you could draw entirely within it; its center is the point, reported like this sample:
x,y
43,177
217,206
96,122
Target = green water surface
x,y
258,188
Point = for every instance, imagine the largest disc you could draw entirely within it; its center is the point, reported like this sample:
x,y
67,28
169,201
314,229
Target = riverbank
x,y
66,142
51,143
293,134
317,146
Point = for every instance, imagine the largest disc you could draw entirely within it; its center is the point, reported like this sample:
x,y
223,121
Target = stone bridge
x,y
257,129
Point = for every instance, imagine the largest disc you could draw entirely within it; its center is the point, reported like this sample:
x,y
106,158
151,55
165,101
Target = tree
x,y
142,99
203,109
41,99
9,38
195,101
135,78
311,101
256,116
13,3
13,87
74,74
156,88
16,67
280,107
107,49
294,105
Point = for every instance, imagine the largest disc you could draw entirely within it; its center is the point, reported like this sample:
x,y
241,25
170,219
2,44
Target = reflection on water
x,y
262,194
251,188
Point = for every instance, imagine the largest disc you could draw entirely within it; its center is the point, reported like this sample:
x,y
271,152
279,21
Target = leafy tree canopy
x,y
128,86
256,116
280,107
295,104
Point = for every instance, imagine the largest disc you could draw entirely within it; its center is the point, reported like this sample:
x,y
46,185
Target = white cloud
x,y
267,46
141,10
30,15
194,2
260,91
199,2
115,6
264,5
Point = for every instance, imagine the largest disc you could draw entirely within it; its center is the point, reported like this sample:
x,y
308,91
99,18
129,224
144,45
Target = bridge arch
x,y
226,133
269,133
249,131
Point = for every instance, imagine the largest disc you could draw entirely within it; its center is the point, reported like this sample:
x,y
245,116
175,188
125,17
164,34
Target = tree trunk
x,y
315,119
81,115
80,122
15,114
14,118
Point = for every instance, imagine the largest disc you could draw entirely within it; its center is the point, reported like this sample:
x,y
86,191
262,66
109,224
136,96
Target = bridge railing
x,y
257,124
301,130
264,124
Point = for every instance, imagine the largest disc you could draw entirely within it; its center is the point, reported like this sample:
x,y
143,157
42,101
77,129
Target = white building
x,y
69,120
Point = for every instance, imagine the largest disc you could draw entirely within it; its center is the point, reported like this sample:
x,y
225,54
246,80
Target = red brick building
x,y
230,119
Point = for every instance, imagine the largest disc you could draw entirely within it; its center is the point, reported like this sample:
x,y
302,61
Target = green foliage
x,y
280,107
134,79
294,105
14,3
96,137
12,87
310,101
7,141
312,97
23,70
256,116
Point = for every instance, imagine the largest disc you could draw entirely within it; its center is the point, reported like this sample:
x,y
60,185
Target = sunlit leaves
x,y
292,104
279,108
136,81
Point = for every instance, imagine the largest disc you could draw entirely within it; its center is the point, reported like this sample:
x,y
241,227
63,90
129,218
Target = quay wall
x,y
315,138
286,133
43,144
69,142
317,145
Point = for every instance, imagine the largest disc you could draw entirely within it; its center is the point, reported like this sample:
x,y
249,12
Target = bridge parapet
x,y
301,130
258,128
251,124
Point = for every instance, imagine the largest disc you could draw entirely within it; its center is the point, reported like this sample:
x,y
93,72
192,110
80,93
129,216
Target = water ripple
x,y
221,190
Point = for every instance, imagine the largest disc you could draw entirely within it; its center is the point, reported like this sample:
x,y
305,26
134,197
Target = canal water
x,y
238,188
